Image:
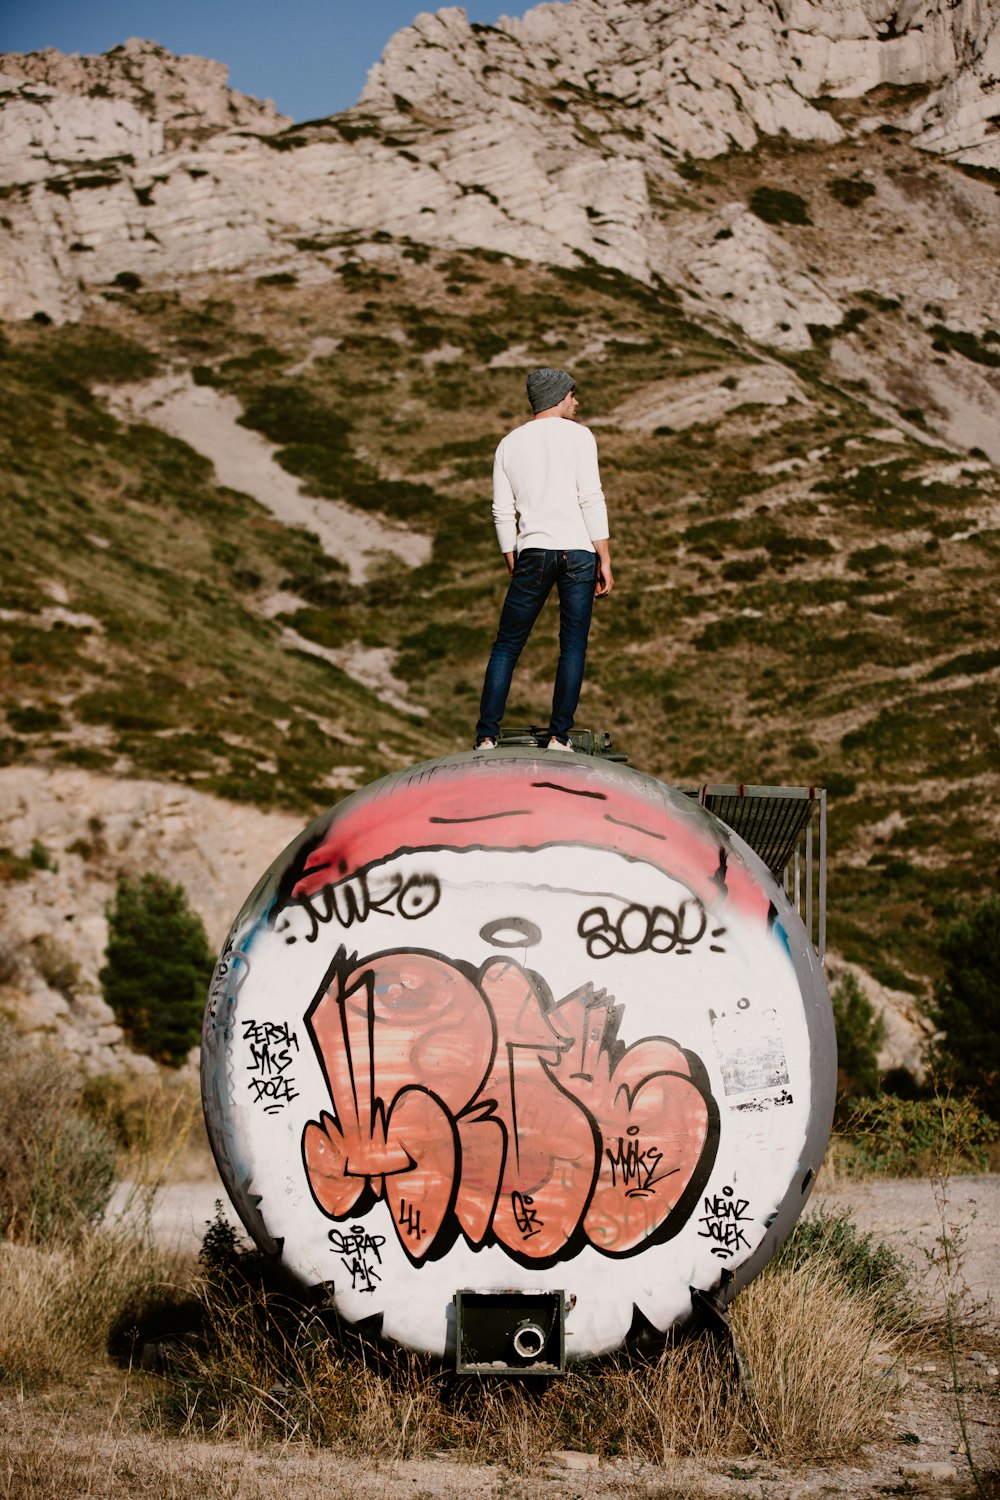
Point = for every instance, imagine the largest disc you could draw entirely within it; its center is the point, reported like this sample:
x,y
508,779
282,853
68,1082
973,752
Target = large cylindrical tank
x,y
519,1020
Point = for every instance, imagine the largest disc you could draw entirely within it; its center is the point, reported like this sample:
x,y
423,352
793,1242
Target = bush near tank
x,y
158,965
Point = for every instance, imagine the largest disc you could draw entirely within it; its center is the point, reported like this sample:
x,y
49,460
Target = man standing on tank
x,y
552,526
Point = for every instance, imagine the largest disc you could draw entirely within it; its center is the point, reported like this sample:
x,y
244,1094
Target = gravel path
x,y
906,1214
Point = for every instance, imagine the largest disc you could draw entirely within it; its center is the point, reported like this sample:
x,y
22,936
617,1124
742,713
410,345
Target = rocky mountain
x,y
185,99
560,138
54,928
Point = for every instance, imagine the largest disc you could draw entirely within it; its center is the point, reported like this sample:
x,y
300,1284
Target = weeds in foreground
x,y
820,1376
57,1304
57,1164
946,1258
241,1360
817,1357
893,1137
865,1266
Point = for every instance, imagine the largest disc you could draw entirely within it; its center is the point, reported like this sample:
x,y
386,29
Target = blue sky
x,y
309,56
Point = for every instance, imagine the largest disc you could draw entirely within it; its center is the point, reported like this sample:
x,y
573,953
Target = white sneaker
x,y
555,744
486,744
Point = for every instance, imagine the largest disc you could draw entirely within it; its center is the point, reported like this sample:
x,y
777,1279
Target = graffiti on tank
x,y
723,1221
355,899
511,932
638,1169
360,1253
761,1106
641,929
472,1102
541,1017
462,811
273,1047
525,1215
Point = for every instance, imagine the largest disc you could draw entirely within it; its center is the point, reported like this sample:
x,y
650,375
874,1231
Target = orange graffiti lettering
x,y
469,1104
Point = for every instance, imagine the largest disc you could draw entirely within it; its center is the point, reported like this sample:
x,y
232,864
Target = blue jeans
x,y
535,571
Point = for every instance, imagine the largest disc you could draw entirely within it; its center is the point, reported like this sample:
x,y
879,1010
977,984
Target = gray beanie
x,y
548,387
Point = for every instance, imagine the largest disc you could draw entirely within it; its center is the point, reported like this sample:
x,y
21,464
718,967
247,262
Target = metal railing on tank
x,y
786,827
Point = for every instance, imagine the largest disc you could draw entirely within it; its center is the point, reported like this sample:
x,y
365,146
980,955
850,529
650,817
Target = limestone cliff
x,y
553,138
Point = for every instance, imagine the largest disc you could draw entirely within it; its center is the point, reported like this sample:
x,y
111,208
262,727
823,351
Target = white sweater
x,y
547,488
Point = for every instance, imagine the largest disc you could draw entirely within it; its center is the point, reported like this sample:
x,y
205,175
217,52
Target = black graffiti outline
x,y
724,1216
525,1215
662,930
354,1248
482,1106
271,1055
631,1162
349,901
280,1091
409,1219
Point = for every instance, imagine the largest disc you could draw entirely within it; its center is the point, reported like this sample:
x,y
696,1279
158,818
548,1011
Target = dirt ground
x,y
921,1454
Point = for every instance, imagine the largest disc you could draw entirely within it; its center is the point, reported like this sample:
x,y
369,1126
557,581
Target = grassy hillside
x,y
806,593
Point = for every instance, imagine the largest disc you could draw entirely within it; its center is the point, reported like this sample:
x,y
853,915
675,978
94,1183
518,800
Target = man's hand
x,y
510,559
605,577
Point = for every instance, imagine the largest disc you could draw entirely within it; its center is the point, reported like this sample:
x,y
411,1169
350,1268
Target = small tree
x,y
158,966
860,1033
967,1003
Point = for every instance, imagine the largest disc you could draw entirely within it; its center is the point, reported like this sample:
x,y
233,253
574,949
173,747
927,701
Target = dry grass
x,y
814,1379
814,1375
818,1368
58,1304
156,1120
56,1163
116,1465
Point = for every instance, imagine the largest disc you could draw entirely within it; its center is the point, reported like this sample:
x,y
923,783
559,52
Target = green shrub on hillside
x,y
77,351
779,206
291,413
960,341
850,191
967,662
860,1033
967,1002
158,966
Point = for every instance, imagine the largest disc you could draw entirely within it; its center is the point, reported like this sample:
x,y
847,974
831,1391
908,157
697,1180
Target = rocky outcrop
x,y
553,138
85,830
907,1032
697,78
184,99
